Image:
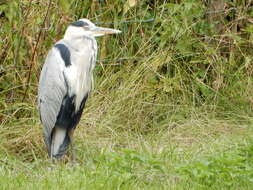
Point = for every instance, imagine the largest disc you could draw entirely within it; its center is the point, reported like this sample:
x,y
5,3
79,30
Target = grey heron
x,y
65,83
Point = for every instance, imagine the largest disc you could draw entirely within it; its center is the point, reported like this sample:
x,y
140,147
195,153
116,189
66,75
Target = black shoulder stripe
x,y
65,53
79,23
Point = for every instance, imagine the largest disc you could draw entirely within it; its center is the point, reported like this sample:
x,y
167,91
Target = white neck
x,y
73,33
77,38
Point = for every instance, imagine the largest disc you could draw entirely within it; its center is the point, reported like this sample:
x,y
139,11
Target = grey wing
x,y
52,89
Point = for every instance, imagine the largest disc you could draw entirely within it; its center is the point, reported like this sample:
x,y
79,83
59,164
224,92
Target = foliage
x,y
229,168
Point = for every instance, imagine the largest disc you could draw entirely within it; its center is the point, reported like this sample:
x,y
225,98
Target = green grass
x,y
213,155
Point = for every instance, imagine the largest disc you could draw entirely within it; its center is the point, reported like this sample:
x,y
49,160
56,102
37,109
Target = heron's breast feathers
x,y
78,81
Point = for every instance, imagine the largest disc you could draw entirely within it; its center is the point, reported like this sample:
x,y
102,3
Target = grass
x,y
200,154
172,104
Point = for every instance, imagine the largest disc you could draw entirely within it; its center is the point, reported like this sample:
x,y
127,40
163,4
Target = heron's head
x,y
84,27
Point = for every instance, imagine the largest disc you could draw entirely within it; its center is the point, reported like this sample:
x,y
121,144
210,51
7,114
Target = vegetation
x,y
172,104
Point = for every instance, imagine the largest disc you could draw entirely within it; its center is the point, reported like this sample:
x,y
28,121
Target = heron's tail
x,y
60,142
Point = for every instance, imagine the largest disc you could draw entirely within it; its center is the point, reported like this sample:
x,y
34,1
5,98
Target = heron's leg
x,y
72,151
73,156
59,142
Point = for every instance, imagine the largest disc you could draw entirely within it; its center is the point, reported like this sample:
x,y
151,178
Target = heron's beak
x,y
100,31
